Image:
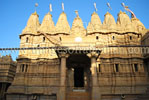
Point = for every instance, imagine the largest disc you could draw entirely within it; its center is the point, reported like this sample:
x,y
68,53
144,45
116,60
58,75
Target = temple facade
x,y
100,62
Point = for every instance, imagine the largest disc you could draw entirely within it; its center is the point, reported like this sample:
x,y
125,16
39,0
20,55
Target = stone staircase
x,y
144,96
78,96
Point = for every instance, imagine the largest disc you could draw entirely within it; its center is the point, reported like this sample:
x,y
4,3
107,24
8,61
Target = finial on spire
x,y
36,5
123,5
108,4
62,6
95,7
50,7
76,11
127,9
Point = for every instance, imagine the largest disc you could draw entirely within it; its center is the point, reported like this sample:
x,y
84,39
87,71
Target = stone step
x,y
147,91
78,96
142,99
144,96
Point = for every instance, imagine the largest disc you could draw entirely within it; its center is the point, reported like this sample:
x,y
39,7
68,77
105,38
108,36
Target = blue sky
x,y
14,14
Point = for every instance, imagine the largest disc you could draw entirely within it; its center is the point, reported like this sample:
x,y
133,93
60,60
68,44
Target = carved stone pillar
x,y
3,88
70,80
95,95
62,91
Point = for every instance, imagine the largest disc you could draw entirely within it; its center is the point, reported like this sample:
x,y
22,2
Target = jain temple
x,y
108,60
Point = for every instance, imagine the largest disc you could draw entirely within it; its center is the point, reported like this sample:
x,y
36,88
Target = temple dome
x,y
77,27
124,21
137,25
47,25
32,24
62,25
95,24
109,22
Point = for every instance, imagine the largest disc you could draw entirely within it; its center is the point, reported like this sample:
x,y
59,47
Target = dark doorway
x,y
78,77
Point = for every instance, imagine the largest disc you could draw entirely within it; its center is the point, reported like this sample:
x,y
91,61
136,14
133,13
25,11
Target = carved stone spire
x,y
124,22
109,22
32,24
137,25
47,25
95,24
62,25
77,27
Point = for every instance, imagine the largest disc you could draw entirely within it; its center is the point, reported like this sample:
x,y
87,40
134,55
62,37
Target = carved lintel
x,y
92,54
63,55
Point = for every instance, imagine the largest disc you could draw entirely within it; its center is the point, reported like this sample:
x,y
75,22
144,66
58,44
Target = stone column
x,y
2,91
70,80
95,95
62,90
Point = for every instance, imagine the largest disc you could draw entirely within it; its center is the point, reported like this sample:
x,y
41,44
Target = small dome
x,y
32,24
95,19
47,25
95,24
109,21
77,27
137,25
124,21
62,25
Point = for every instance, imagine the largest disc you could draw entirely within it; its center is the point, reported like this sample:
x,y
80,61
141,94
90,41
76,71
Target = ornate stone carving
x,y
109,22
47,25
32,24
63,55
92,54
77,27
6,59
95,24
137,25
124,22
62,25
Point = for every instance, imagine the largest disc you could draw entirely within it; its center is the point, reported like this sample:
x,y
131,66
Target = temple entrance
x,y
78,72
78,77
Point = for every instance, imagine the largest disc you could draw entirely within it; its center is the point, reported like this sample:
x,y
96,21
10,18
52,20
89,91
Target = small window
x,y
99,68
116,67
60,38
138,36
130,37
136,67
113,38
44,39
22,67
27,40
97,37
38,45
26,68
